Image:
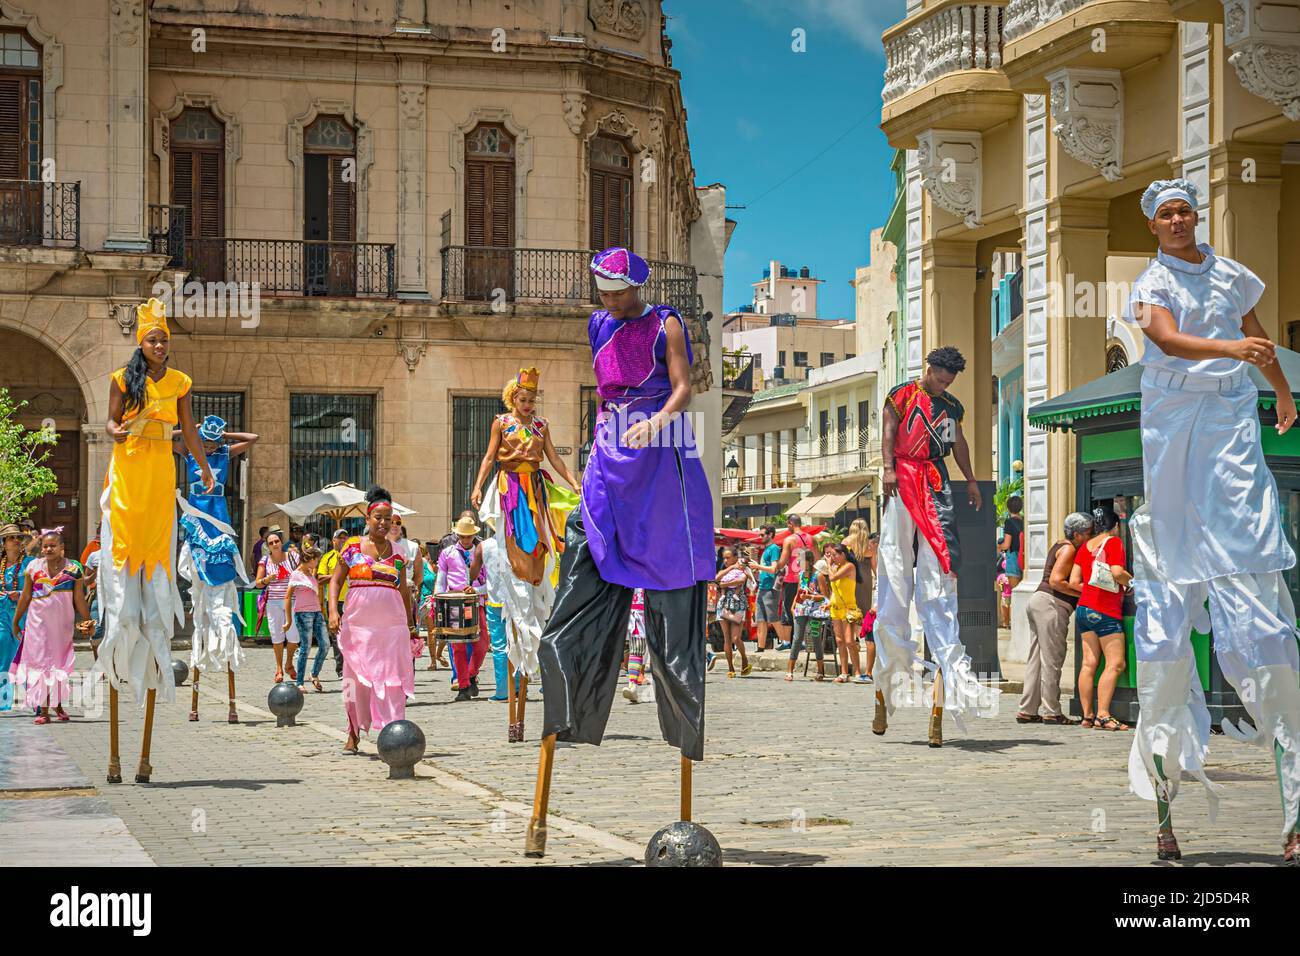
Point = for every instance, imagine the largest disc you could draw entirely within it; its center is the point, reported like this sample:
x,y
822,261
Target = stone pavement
x,y
792,777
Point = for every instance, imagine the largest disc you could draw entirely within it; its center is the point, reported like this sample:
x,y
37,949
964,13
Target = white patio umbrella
x,y
337,500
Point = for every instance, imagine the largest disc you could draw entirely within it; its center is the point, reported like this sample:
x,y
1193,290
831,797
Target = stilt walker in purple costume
x,y
646,521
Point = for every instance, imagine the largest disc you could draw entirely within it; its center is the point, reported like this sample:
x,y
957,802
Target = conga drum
x,y
456,617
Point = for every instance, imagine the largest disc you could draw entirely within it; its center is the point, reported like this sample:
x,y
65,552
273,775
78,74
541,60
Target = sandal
x,y
841,679
293,671
61,715
746,669
1111,724
315,682
42,719
1088,722
1059,719
1028,719
1167,846
1291,850
789,676
731,673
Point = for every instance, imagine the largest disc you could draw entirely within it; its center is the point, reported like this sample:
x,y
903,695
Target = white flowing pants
x,y
935,594
1253,619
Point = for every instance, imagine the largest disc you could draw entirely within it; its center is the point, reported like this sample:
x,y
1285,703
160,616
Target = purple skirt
x,y
648,512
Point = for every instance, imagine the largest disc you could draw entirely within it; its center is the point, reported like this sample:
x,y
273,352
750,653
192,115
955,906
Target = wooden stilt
x,y
520,702
114,762
936,712
142,775
535,841
510,703
194,693
232,717
686,789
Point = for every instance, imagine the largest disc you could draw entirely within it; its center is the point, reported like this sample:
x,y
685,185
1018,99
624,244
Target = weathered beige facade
x,y
425,286
1033,126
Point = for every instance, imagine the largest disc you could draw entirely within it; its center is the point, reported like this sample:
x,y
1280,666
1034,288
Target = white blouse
x,y
1207,300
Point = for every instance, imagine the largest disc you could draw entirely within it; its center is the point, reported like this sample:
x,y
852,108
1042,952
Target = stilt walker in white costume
x,y
210,559
919,554
137,585
1211,527
528,513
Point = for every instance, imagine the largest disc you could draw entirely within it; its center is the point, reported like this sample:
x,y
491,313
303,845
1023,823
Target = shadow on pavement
x,y
772,857
1229,858
222,784
988,746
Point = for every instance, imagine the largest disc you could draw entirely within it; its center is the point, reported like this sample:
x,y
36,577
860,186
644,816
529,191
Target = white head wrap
x,y
1163,190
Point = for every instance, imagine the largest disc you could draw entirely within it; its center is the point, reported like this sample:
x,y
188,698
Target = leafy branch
x,y
24,478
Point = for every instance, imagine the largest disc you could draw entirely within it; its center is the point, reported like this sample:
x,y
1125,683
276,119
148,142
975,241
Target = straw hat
x,y
10,530
465,526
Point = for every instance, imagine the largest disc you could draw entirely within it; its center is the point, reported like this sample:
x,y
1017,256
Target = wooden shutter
x,y
11,128
209,194
476,199
598,210
342,201
183,187
502,205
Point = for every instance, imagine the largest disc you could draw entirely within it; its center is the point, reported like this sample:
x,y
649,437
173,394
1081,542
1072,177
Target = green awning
x,y
1121,392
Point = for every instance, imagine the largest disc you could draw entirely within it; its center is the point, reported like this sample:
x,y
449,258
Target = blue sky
x,y
758,111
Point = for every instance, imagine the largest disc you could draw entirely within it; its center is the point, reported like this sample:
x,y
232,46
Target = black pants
x,y
582,648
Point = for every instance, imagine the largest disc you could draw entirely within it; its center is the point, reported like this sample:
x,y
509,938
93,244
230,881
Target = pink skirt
x,y
47,657
375,642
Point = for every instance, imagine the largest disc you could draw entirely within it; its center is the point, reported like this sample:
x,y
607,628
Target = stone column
x,y
128,57
1243,214
99,451
956,316
412,259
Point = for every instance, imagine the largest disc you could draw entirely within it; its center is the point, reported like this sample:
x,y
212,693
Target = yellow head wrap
x,y
149,316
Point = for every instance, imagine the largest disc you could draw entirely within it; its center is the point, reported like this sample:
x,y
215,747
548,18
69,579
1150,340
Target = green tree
x,y
23,453
1005,490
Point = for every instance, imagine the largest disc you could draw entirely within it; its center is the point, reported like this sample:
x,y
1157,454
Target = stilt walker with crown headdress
x,y
210,559
138,596
528,514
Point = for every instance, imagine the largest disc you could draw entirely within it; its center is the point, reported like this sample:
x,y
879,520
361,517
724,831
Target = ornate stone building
x,y
1032,127
389,205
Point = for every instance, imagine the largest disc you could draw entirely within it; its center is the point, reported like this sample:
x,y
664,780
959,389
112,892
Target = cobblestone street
x,y
792,777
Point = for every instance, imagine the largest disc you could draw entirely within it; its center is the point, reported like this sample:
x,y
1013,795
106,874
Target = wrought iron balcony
x,y
498,276
738,370
295,266
35,213
167,233
745,484
826,459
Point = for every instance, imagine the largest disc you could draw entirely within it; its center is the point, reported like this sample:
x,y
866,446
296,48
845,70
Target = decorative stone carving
x,y
410,100
124,316
624,18
616,123
127,16
1088,117
411,353
575,110
950,167
1025,16
1263,38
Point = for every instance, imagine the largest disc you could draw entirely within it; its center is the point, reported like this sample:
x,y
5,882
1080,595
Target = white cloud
x,y
862,20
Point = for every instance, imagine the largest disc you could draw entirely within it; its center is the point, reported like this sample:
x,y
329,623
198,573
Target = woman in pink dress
x,y
52,600
376,631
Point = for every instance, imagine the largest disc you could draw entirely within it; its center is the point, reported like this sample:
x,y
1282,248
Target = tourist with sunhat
x,y
456,563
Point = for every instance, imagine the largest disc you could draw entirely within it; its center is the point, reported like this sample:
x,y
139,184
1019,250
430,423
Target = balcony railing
x,y
964,37
295,266
501,275
35,213
826,460
745,483
167,233
738,371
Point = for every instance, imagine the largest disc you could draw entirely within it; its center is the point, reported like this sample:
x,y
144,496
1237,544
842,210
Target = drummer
x,y
454,563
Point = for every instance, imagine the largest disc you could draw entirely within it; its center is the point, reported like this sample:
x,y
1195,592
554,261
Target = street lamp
x,y
733,468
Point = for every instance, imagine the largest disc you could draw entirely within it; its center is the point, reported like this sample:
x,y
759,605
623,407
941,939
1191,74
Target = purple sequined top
x,y
630,356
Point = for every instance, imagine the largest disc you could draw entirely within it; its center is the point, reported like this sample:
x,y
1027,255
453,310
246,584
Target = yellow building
x,y
388,216
1032,127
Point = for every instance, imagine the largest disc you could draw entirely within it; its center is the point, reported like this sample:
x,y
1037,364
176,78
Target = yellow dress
x,y
843,597
142,479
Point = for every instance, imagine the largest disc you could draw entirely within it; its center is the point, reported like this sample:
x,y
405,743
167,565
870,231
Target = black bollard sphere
x,y
285,701
683,844
401,746
180,671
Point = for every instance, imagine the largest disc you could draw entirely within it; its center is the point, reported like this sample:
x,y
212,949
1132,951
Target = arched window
x,y
197,147
329,206
611,193
489,186
1116,359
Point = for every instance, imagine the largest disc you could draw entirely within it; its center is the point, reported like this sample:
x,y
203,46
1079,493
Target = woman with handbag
x,y
846,616
733,582
1099,566
811,611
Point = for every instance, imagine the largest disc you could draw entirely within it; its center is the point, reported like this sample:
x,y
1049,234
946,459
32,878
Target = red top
x,y
1106,602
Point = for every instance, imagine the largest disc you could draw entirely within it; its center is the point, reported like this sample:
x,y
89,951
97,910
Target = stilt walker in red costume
x,y
919,553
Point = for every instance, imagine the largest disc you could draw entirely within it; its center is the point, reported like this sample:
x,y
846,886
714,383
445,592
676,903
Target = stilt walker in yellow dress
x,y
529,513
138,596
